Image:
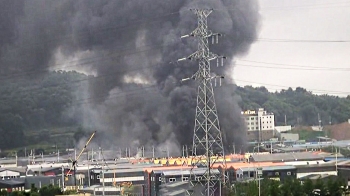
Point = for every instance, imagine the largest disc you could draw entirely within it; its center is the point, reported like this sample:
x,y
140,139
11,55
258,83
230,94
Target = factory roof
x,y
13,182
15,169
282,157
8,161
278,167
174,184
268,168
178,192
195,171
237,165
150,169
107,171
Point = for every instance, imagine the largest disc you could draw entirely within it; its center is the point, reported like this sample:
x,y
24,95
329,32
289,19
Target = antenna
x,y
207,138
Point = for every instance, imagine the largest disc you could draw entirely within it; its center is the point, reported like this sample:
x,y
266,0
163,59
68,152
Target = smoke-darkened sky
x,y
132,44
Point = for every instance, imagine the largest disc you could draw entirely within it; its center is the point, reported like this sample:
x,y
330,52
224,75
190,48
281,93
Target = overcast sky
x,y
300,20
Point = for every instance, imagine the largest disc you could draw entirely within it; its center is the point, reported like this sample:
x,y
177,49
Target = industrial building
x,y
260,124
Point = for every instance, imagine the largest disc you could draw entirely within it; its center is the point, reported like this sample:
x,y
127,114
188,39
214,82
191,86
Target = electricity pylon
x,y
207,138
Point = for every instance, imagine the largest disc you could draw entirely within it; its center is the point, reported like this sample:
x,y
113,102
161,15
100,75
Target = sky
x,y
319,66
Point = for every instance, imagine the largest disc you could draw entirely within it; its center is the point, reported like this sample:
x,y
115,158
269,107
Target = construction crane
x,y
74,162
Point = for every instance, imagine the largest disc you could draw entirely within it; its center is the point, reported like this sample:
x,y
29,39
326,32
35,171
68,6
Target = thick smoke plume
x,y
136,97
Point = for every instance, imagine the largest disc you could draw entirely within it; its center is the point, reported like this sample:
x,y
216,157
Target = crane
x,y
74,162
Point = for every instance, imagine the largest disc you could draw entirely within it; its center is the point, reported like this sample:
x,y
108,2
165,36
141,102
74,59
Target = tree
x,y
50,190
308,187
336,187
17,193
3,193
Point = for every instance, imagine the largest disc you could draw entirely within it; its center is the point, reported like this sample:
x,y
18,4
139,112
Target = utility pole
x,y
285,120
319,122
207,138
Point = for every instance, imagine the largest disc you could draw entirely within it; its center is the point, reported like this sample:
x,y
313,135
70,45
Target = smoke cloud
x,y
136,97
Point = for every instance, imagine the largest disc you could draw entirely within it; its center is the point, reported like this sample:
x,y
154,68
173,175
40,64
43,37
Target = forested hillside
x,y
32,110
300,106
29,105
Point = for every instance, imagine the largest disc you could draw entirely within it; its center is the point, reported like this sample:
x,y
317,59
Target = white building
x,y
281,129
260,120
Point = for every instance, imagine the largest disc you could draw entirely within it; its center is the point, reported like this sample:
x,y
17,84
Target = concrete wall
x,y
264,135
288,136
283,128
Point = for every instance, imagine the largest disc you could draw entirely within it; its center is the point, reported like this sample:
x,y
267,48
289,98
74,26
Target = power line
x,y
301,41
133,23
293,68
260,39
128,93
93,59
310,6
312,90
292,65
307,5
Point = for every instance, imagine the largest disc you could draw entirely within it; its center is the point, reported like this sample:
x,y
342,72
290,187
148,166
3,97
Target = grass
x,y
308,135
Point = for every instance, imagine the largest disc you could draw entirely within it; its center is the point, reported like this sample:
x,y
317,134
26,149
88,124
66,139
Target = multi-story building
x,y
260,120
260,124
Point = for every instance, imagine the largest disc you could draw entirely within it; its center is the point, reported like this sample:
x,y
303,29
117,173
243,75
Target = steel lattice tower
x,y
207,138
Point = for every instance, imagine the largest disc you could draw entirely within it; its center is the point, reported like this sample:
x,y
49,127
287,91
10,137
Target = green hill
x,y
31,109
300,106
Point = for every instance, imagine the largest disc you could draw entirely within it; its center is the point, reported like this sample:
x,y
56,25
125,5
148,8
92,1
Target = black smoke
x,y
130,46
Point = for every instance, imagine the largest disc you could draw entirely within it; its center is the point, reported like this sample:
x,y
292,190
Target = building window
x,y
252,118
184,179
257,128
252,123
172,179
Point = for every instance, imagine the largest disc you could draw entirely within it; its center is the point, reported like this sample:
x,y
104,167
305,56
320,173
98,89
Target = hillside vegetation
x,y
32,110
300,106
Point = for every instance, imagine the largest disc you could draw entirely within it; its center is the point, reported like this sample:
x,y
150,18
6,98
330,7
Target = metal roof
x,y
7,161
174,184
174,193
12,182
15,169
196,171
281,167
108,171
278,157
268,168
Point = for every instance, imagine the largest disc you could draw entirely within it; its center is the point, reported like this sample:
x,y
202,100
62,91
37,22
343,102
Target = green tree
x,y
308,187
17,193
50,190
3,193
335,187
